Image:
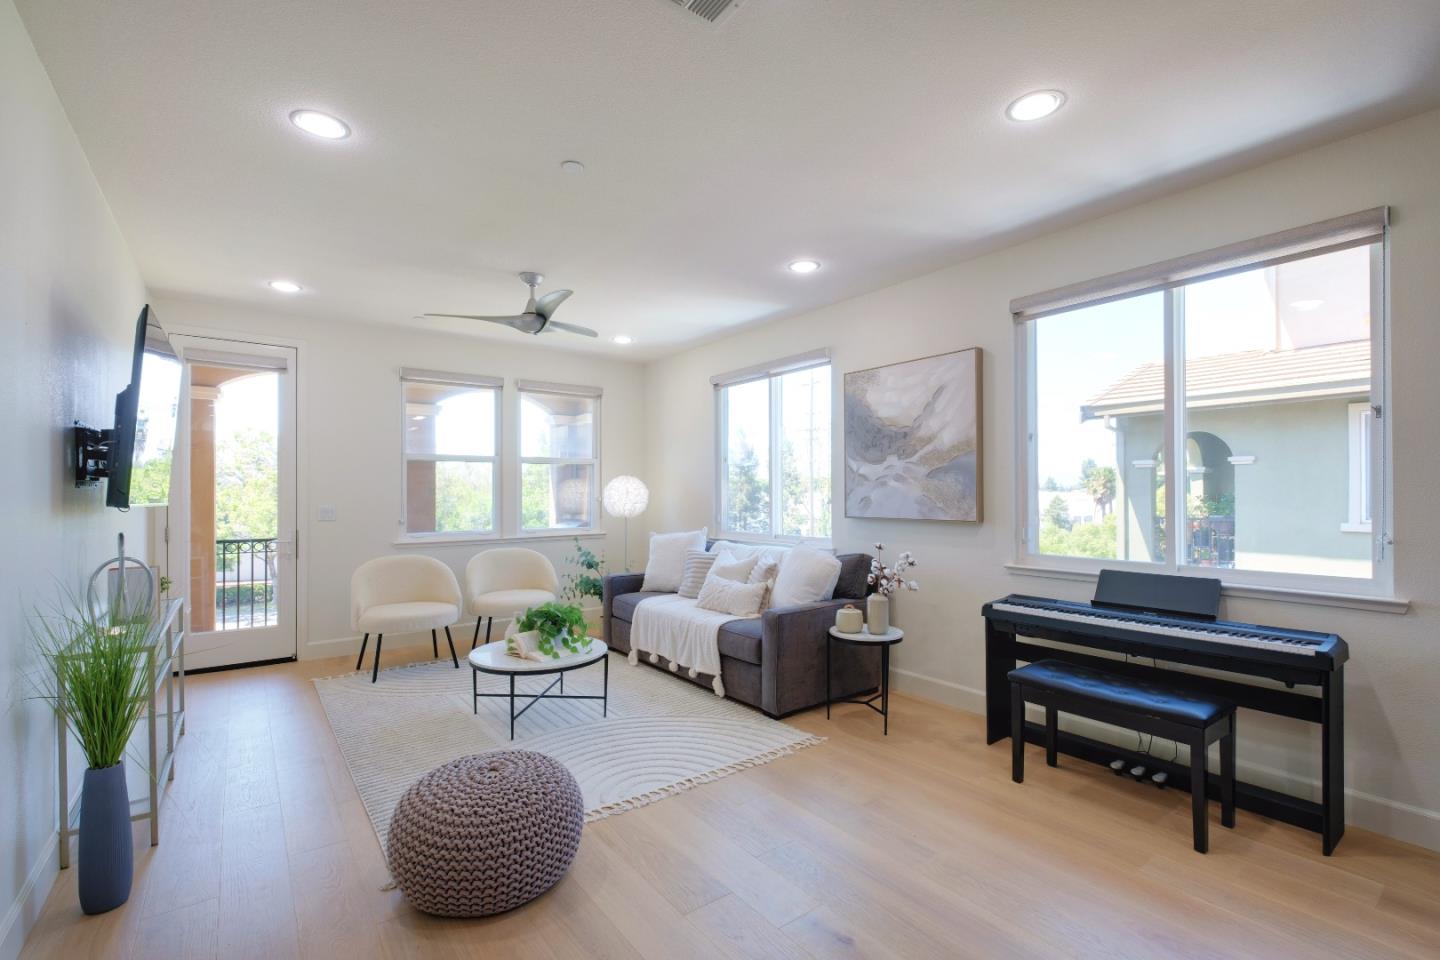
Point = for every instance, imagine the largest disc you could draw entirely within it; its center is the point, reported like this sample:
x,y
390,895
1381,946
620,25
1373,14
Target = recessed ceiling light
x,y
1035,106
572,166
1305,306
285,286
622,339
804,266
320,124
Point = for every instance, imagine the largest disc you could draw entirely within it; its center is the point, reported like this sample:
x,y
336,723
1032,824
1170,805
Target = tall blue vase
x,y
107,854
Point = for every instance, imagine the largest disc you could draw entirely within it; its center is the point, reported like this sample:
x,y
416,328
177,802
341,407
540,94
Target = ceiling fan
x,y
538,313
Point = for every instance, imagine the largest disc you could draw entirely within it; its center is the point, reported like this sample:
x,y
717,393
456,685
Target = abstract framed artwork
x,y
912,439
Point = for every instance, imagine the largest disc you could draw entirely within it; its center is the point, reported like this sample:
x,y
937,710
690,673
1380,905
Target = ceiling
x,y
868,134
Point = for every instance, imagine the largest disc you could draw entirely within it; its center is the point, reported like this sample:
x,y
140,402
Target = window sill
x,y
1355,528
450,540
760,541
1323,598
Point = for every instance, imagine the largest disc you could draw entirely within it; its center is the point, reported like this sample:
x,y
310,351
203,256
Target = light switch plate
x,y
327,513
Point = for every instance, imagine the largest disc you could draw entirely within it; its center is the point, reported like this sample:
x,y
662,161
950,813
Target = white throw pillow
x,y
727,566
729,596
666,564
805,576
764,572
697,568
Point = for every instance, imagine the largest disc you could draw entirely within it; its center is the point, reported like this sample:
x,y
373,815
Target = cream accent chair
x,y
403,594
504,582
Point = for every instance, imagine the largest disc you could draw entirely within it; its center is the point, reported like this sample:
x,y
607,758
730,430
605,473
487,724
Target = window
x,y
451,452
1218,417
1362,419
774,450
559,427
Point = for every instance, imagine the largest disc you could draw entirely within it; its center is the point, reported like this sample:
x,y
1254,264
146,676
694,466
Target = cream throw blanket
x,y
673,627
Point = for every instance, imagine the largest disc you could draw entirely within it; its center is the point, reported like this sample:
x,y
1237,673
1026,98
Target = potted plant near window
x,y
548,632
96,679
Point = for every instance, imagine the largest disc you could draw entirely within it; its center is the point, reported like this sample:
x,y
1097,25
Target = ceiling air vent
x,y
715,11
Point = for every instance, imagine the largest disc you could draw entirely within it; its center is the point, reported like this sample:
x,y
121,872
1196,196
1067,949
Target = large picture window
x,y
559,436
1221,419
774,450
451,453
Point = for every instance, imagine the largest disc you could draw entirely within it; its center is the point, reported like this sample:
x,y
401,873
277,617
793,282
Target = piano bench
x,y
1147,707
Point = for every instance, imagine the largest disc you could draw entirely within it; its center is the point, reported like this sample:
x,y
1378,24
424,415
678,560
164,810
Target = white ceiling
x,y
868,134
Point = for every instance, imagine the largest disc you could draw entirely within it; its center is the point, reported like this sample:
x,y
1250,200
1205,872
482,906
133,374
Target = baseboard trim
x,y
1393,818
30,900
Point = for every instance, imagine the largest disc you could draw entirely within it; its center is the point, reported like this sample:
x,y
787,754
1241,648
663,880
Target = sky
x,y
1080,353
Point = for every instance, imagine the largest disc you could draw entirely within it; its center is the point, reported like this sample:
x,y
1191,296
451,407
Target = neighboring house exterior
x,y
1274,439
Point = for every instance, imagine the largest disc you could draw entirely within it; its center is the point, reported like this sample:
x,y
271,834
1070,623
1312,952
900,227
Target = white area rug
x,y
662,735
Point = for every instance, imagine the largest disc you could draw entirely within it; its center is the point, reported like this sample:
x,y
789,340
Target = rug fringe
x,y
710,776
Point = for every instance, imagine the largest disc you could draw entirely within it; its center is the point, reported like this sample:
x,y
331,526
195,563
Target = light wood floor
x,y
912,846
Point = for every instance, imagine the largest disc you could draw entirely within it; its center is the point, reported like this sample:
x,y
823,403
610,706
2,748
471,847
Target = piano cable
x,y
1143,747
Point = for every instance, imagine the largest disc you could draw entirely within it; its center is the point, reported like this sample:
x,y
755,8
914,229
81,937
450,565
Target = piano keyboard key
x,y
1263,641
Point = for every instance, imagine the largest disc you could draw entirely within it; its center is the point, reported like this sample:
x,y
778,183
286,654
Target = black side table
x,y
884,641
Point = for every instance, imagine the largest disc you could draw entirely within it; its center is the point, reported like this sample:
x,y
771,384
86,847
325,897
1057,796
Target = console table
x,y
165,667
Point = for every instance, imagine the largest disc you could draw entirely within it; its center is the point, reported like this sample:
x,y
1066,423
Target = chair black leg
x,y
360,660
1017,734
1052,733
489,622
434,645
476,639
375,670
1227,777
1198,811
451,640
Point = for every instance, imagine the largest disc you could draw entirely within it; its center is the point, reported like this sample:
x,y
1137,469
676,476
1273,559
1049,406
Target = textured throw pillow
x,y
729,596
727,566
805,576
666,564
764,572
697,568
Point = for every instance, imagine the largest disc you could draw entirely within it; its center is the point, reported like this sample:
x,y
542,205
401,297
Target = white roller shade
x,y
1356,229
458,379
564,389
239,361
800,361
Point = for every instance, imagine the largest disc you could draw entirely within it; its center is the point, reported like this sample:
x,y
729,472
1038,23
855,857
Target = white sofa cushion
x,y
727,566
697,568
805,576
731,596
665,566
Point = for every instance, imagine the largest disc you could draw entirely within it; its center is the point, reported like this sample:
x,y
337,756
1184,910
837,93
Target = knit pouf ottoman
x,y
486,833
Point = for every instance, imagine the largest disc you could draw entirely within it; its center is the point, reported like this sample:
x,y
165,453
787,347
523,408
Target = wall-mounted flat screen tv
x,y
142,443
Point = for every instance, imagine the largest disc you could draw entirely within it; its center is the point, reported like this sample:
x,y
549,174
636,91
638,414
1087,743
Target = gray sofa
x,y
775,662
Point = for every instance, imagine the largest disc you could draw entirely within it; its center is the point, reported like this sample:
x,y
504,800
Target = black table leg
x,y
475,691
605,690
828,641
885,687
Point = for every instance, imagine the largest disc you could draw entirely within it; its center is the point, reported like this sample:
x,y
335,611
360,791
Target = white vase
x,y
877,614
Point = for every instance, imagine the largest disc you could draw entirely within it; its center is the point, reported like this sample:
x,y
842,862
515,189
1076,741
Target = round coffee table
x,y
865,638
492,659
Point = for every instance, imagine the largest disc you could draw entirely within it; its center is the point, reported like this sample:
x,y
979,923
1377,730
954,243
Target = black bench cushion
x,y
1139,696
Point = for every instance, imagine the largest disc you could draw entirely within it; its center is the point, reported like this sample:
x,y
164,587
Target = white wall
x,y
1393,718
349,439
69,297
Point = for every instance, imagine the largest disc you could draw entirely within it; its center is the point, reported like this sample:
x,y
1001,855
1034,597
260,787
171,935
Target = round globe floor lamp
x,y
626,497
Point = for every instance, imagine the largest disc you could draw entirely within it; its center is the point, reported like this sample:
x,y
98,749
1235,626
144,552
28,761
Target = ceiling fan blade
x,y
507,321
549,303
571,328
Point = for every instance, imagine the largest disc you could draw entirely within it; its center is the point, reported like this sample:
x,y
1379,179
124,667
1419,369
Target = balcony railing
x,y
245,583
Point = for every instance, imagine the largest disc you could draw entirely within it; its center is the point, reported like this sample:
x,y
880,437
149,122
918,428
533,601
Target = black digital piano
x,y
1171,622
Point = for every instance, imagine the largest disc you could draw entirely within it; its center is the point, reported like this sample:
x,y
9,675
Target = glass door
x,y
238,432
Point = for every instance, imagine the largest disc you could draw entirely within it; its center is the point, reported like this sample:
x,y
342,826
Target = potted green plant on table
x,y
548,632
96,680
